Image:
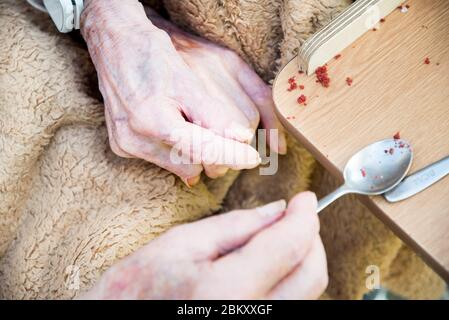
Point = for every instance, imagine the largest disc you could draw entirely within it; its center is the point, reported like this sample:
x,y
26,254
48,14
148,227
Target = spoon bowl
x,y
374,170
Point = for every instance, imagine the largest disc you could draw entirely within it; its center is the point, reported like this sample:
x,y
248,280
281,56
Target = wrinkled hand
x,y
227,74
197,99
268,252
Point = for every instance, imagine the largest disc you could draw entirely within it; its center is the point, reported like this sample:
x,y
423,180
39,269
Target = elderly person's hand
x,y
198,99
270,252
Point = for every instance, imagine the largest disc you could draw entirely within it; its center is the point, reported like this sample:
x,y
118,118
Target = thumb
x,y
215,236
261,95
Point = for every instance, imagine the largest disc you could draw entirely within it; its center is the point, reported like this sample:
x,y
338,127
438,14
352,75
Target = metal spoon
x,y
373,170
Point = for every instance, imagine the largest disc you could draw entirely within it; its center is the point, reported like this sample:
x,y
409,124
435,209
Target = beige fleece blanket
x,y
70,208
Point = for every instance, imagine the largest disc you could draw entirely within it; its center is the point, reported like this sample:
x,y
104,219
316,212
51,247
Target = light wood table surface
x,y
393,90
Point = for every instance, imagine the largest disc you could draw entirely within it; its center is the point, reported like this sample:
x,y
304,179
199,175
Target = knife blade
x,y
419,181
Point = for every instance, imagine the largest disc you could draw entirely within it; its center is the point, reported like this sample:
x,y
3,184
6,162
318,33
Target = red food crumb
x,y
292,87
391,151
292,83
322,76
427,61
349,81
301,87
363,172
382,20
397,136
338,56
302,99
401,145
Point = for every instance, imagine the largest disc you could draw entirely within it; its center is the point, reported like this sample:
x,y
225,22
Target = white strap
x,y
38,4
64,13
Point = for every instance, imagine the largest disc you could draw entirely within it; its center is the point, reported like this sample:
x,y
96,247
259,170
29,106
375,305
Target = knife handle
x,y
419,181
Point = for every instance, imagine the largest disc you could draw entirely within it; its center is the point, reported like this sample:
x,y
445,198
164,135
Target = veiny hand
x,y
226,74
264,253
202,102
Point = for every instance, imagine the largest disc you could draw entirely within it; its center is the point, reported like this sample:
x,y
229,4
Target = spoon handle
x,y
331,197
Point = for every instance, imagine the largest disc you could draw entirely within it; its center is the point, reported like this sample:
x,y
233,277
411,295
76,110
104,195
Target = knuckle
x,y
292,249
123,142
295,251
116,150
254,118
163,36
262,94
142,124
296,243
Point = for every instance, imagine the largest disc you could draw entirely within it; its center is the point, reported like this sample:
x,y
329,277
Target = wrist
x,y
114,16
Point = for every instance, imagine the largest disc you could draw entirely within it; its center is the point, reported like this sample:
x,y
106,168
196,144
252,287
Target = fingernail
x,y
240,133
218,171
257,160
190,182
273,208
221,171
282,144
253,160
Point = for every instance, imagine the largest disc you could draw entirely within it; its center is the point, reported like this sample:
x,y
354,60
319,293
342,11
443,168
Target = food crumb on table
x,y
397,136
292,84
349,81
322,76
302,99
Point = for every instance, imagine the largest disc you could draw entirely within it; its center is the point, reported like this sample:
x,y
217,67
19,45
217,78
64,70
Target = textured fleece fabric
x,y
70,208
